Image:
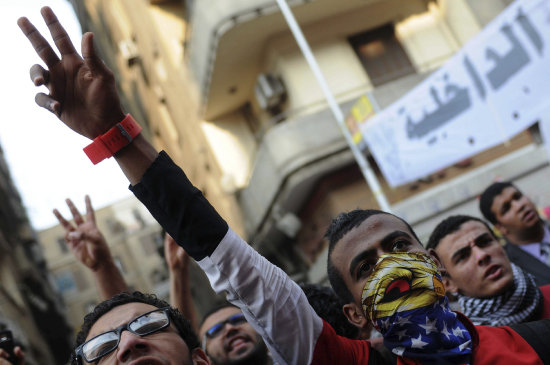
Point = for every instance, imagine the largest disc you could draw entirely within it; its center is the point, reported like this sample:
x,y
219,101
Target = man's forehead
x,y
504,195
373,229
367,236
117,316
466,233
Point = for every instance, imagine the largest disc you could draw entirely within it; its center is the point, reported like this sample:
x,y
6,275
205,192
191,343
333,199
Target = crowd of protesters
x,y
382,276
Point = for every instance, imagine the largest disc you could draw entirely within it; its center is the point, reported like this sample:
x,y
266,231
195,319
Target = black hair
x,y
486,199
339,226
328,306
450,225
182,325
216,308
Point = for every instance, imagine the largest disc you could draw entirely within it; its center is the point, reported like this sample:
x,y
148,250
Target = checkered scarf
x,y
521,303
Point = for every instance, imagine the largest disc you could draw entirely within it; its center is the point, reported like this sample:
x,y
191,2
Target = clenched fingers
x,y
47,102
39,76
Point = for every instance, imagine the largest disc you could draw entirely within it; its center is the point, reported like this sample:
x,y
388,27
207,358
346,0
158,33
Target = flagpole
x,y
364,166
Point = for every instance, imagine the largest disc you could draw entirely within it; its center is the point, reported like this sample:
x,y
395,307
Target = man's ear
x,y
199,357
355,316
450,286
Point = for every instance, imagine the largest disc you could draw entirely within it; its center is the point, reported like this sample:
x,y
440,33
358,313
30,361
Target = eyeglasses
x,y
216,329
101,345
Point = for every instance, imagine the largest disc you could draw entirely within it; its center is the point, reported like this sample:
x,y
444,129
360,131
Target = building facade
x,y
223,87
29,306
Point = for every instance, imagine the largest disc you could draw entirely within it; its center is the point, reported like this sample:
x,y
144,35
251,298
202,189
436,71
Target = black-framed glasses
x,y
143,325
216,329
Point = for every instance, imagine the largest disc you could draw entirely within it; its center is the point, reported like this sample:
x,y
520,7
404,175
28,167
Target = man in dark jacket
x,y
527,236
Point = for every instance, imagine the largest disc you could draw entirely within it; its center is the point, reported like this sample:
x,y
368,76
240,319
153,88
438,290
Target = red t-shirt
x,y
492,345
546,294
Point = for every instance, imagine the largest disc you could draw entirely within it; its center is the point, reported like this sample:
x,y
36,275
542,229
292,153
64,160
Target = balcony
x,y
227,41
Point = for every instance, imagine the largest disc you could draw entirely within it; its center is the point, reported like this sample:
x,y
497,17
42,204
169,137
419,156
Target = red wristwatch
x,y
112,141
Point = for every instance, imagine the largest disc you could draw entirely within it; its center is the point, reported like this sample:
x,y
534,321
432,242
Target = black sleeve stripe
x,y
180,208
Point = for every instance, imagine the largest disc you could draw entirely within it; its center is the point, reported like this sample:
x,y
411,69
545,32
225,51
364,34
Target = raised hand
x,y
180,281
84,239
176,257
82,90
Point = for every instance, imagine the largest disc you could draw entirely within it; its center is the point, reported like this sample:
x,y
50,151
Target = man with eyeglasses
x,y
228,339
137,328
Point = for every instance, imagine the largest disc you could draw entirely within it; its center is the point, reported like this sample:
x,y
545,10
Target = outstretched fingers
x,y
90,214
74,211
39,43
93,61
65,223
59,35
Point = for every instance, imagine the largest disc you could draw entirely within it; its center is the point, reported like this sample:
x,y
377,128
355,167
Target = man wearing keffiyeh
x,y
491,291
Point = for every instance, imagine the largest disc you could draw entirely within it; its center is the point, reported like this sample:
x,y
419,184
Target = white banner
x,y
493,88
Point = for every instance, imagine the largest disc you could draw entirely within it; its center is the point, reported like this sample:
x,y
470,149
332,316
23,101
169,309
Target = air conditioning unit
x,y
289,224
270,92
128,51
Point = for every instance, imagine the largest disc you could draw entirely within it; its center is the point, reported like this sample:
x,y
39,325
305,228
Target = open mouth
x,y
237,344
396,289
493,272
528,215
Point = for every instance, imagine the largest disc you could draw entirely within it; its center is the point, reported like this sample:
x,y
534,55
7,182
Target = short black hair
x,y
215,309
328,306
339,226
182,325
488,196
450,225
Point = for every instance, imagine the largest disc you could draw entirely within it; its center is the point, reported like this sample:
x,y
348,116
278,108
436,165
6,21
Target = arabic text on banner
x,y
496,86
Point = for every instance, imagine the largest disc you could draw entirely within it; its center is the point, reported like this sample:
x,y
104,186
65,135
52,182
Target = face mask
x,y
405,300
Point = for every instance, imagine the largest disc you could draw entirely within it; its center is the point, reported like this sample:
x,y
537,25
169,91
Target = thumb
x,y
90,56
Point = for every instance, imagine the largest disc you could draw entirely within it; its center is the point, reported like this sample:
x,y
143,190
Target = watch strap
x,y
112,141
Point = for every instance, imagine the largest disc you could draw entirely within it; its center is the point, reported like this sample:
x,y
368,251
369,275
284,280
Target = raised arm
x,y
180,283
83,95
88,246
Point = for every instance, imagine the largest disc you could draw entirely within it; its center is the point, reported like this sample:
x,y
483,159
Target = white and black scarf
x,y
521,303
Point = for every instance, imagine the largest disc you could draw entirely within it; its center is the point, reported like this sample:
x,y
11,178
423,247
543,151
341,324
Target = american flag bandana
x,y
405,300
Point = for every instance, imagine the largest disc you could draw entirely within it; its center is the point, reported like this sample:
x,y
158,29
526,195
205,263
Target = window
x,y
382,55
114,226
80,279
62,245
65,282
